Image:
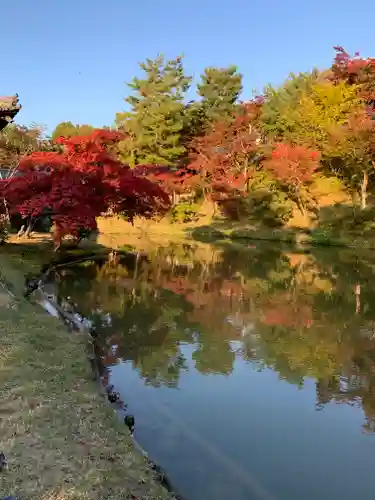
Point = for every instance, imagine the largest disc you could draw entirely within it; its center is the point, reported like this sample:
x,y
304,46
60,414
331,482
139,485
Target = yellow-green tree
x,y
319,111
17,141
308,114
68,129
276,116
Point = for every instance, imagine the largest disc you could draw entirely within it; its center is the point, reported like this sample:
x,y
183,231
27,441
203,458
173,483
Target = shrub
x,y
4,235
267,202
184,212
346,218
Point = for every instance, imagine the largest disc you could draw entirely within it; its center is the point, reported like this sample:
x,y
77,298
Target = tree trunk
x,y
6,211
364,190
56,238
298,197
57,246
301,206
21,232
29,228
358,299
135,275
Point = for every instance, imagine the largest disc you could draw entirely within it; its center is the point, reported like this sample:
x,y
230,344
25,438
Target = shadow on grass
x,y
38,252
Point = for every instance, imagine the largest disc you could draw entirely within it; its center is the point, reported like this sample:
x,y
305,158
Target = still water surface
x,y
250,371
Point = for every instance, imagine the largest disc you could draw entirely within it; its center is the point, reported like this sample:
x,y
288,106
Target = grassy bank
x,y
338,230
293,236
115,233
61,439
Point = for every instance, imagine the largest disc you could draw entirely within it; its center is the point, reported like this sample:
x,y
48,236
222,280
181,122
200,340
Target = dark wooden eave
x,y
9,107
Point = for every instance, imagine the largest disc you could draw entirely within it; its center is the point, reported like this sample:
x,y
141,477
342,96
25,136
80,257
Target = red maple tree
x,y
352,147
281,310
222,157
174,181
79,183
293,167
355,70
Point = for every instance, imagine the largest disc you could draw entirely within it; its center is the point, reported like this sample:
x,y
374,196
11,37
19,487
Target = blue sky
x,y
69,60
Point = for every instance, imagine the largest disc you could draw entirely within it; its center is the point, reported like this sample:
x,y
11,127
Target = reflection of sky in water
x,y
250,435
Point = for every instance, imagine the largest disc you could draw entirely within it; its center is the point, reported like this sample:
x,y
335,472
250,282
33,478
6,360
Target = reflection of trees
x,y
151,336
302,314
214,357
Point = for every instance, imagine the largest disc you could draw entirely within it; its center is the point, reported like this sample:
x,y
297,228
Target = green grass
x,y
62,440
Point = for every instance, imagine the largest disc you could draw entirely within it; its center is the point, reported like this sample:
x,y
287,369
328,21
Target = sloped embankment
x,y
62,442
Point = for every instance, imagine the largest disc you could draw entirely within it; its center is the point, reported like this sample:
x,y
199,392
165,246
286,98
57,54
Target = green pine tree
x,y
153,126
219,89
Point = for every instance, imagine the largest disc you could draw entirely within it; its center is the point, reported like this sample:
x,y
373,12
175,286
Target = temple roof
x,y
9,107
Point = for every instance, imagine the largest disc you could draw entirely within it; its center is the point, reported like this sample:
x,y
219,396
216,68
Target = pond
x,y
250,370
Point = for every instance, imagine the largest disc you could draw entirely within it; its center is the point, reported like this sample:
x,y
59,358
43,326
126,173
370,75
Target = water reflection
x,y
308,317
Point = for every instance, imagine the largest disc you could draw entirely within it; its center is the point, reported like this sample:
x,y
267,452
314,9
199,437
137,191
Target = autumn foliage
x,y
355,70
252,160
292,165
172,180
221,158
80,183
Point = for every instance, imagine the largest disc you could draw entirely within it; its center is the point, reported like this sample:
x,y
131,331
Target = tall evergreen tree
x,y
153,126
220,89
